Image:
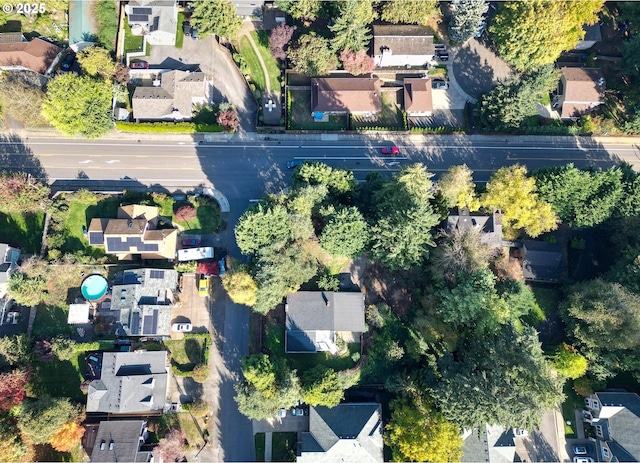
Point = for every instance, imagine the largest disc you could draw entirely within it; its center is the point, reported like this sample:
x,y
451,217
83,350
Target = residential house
x,y
592,35
36,55
417,97
314,320
141,301
156,20
129,383
489,225
402,46
113,441
347,432
134,232
541,261
9,257
173,99
490,443
616,419
580,90
344,95
249,10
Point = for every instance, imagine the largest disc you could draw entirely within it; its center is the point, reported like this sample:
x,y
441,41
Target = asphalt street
x,y
244,170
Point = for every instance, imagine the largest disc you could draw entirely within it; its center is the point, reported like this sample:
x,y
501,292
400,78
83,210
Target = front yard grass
x,y
132,43
23,230
257,74
261,38
181,420
258,440
572,401
80,214
188,352
283,446
300,114
208,218
179,31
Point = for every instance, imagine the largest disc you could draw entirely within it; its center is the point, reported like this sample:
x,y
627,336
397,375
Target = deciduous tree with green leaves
x,y
86,111
97,62
40,419
511,191
422,12
218,18
417,432
340,182
324,386
466,18
533,33
306,10
263,226
604,320
345,232
351,28
312,56
457,188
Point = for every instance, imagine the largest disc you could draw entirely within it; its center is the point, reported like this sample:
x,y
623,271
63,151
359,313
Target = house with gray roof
x,y
541,261
489,225
174,99
489,443
616,419
402,46
130,383
141,301
315,319
156,20
347,432
113,441
249,10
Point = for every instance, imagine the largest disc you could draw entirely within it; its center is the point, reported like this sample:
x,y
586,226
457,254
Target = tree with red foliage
x,y
122,75
171,447
186,213
279,40
357,63
228,119
12,388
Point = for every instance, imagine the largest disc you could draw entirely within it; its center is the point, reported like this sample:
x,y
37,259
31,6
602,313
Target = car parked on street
x,y
138,64
583,460
182,327
439,85
392,150
294,164
186,28
581,449
68,62
281,413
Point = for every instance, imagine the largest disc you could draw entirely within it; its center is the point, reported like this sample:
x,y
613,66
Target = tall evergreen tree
x,y
466,18
352,26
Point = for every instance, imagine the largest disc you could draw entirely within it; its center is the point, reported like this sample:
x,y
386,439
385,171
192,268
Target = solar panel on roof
x,y
96,238
141,10
135,323
157,274
138,17
150,323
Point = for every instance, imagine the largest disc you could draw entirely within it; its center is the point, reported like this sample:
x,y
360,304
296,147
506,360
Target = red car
x,y
191,242
393,150
139,64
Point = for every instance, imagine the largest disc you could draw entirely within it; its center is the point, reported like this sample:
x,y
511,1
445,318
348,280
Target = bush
x,y
198,409
166,127
200,373
186,213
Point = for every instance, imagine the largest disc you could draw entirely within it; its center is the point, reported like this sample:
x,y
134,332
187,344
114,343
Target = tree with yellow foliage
x,y
242,289
67,437
532,33
512,192
457,188
419,433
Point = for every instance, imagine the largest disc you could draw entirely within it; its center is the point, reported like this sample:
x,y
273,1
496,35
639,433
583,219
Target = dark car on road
x,y
186,28
439,84
294,164
190,242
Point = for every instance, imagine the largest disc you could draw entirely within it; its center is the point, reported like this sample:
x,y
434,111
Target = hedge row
x,y
166,127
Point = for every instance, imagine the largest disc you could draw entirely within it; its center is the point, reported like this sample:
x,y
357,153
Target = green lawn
x,y
258,439
390,115
58,379
80,215
51,321
300,114
261,38
208,219
572,402
283,446
24,230
182,420
188,352
179,31
131,42
257,74
547,299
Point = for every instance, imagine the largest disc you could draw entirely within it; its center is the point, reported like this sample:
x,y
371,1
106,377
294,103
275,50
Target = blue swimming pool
x,y
94,287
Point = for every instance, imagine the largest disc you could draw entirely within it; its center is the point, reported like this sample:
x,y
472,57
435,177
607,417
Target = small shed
x,y
542,261
78,314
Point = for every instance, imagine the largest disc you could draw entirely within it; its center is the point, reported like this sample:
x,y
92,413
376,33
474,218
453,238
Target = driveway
x,y
216,62
547,443
476,68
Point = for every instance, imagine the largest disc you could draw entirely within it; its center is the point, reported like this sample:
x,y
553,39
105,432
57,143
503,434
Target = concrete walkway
x,y
268,445
579,424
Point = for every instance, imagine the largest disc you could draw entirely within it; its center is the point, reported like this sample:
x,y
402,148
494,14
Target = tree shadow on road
x,y
15,156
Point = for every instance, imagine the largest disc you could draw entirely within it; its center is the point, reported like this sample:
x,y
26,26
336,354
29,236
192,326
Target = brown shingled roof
x,y
36,55
417,95
345,94
584,89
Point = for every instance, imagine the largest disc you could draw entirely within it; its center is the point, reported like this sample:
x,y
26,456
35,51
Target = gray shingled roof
x,y
624,425
357,422
490,226
144,295
541,260
403,39
130,383
121,441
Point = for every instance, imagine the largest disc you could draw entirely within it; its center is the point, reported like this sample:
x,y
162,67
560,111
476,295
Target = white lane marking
x,y
112,161
85,162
